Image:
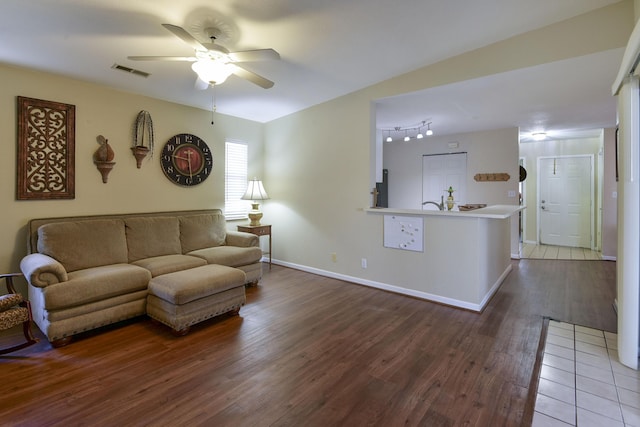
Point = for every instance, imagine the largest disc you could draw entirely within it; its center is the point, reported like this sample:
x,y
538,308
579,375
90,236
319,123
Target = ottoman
x,y
186,297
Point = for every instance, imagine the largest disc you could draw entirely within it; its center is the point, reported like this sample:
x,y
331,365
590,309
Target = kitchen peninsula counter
x,y
463,257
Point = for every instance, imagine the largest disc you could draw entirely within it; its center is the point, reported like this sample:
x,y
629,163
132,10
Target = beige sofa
x,y
87,272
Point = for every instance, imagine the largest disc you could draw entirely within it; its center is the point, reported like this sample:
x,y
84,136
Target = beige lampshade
x,y
255,191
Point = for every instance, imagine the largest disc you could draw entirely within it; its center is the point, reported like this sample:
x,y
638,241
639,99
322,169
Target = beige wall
x,y
102,111
494,151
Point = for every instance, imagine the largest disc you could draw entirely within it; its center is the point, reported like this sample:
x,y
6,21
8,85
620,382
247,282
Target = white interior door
x,y
441,171
565,201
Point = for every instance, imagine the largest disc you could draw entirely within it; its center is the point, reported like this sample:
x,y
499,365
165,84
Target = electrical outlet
x,y
364,263
511,193
334,257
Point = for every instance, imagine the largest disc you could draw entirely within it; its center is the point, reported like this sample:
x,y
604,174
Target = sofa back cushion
x,y
152,236
202,231
84,244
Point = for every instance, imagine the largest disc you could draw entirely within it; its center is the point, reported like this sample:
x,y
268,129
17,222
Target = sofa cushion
x,y
100,305
95,284
84,244
152,236
169,263
202,231
231,256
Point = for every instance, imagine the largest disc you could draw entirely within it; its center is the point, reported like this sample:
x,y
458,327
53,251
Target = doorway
x,y
565,201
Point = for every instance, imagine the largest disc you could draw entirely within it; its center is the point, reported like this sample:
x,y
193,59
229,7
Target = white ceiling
x,y
328,48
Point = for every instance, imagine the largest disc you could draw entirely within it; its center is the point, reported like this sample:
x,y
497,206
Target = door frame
x,y
522,186
591,191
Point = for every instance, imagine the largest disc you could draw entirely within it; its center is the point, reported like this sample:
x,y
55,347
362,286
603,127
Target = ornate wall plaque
x,y
46,150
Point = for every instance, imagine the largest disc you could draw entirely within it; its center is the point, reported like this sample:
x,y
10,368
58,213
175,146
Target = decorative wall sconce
x,y
143,137
407,133
103,158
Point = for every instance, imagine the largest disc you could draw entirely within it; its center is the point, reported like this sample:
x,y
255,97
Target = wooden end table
x,y
259,230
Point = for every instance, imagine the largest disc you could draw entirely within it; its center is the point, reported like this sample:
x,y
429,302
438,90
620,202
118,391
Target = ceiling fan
x,y
212,62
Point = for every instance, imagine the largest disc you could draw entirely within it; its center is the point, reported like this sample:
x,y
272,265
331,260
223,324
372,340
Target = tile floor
x,y
582,383
533,251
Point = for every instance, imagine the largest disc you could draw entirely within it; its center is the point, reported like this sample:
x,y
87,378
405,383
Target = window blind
x,y
235,180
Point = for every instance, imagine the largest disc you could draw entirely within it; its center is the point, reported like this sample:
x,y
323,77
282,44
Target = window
x,y
235,180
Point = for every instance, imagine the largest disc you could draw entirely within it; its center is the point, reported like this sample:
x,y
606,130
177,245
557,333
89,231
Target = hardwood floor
x,y
313,351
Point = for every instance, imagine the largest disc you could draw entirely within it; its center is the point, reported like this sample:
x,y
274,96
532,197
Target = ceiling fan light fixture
x,y
213,72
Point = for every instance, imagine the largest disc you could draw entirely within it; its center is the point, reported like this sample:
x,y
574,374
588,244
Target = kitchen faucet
x,y
440,206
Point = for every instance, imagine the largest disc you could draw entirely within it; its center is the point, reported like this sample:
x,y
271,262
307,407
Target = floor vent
x,y
130,70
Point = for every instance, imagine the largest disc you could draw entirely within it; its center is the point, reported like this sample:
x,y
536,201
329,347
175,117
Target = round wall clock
x,y
186,160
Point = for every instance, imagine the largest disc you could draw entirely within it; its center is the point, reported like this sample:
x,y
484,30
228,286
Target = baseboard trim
x,y
495,287
400,290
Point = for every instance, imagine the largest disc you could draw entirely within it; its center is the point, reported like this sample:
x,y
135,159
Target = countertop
x,y
493,211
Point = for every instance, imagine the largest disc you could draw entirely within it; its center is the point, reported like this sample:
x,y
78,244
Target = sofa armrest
x,y
242,239
42,270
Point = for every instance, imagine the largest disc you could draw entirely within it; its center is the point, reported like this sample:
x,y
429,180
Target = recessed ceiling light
x,y
539,136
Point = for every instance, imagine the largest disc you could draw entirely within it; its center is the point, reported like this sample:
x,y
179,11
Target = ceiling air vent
x,y
130,70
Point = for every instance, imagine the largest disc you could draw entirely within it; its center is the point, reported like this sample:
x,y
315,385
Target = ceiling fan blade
x,y
201,84
254,55
252,77
163,58
184,36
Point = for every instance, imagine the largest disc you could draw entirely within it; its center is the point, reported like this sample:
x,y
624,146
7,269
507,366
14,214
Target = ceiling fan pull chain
x,y
213,99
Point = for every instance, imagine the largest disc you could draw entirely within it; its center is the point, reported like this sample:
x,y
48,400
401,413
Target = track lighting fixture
x,y
410,132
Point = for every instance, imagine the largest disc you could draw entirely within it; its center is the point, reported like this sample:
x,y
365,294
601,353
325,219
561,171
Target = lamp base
x,y
255,215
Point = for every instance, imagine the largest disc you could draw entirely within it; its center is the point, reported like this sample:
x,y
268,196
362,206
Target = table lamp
x,y
255,191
